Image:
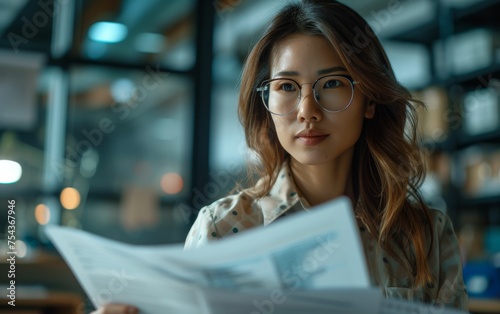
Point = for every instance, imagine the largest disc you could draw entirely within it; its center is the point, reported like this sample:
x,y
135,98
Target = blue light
x,y
108,32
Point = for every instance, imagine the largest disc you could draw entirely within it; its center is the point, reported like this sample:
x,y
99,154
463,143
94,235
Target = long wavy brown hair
x,y
388,165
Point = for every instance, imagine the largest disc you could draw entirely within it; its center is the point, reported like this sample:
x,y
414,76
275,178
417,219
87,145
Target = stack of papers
x,y
309,262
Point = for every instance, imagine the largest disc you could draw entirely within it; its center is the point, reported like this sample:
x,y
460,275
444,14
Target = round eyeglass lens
x,y
281,96
333,93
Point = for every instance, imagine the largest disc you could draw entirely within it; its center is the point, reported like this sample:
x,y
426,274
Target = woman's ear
x,y
370,110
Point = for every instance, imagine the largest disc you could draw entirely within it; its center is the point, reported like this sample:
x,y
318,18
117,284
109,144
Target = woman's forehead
x,y
301,52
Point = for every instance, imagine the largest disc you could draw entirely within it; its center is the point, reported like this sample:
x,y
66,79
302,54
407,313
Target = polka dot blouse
x,y
236,213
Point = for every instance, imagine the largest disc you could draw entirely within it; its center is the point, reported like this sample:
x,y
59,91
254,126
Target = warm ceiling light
x,y
10,171
42,214
108,32
70,198
172,183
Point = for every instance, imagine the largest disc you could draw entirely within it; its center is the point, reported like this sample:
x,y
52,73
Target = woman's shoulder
x,y
242,203
229,215
444,238
441,222
445,262
439,219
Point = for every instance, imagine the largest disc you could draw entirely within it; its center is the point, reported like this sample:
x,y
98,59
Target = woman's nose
x,y
309,109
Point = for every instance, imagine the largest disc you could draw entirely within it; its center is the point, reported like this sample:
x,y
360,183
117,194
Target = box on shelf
x,y
471,236
439,163
482,279
433,119
481,111
470,51
480,251
480,171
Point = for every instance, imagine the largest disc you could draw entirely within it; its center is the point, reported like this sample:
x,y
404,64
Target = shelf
x,y
480,201
478,13
433,146
469,140
484,305
475,80
423,34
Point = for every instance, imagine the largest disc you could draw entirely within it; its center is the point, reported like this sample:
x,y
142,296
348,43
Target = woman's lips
x,y
312,139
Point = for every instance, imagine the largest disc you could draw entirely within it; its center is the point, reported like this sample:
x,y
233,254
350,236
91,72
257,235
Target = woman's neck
x,y
321,183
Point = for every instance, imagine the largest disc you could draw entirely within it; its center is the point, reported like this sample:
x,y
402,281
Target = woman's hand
x,y
116,309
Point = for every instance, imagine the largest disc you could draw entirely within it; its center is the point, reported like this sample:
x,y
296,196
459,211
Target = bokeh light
x,y
10,171
70,198
42,214
21,248
172,183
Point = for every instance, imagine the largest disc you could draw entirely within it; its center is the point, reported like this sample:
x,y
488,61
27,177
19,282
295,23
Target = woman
x,y
327,118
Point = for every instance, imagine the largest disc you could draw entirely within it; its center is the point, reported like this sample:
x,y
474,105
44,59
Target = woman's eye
x,y
287,87
332,84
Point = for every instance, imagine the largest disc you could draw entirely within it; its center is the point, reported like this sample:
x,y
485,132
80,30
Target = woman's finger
x,y
116,309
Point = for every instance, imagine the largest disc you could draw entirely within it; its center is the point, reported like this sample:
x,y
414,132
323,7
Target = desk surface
x,y
54,302
484,305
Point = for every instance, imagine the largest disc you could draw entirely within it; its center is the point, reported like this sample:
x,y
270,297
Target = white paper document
x,y
311,262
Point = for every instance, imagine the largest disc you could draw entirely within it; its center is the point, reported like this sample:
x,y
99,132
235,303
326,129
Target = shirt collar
x,y
283,197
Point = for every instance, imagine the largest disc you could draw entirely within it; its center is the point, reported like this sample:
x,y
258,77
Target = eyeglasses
x,y
281,96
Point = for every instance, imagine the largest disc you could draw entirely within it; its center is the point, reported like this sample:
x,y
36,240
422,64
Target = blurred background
x,y
119,117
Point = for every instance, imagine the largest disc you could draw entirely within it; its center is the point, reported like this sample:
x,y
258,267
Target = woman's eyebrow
x,y
320,72
287,73
331,70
